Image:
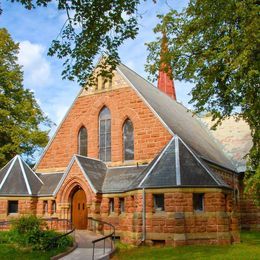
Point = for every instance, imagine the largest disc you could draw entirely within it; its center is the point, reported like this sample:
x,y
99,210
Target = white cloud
x,y
37,71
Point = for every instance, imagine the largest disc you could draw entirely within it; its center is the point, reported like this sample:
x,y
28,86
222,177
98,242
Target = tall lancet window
x,y
105,135
128,138
83,141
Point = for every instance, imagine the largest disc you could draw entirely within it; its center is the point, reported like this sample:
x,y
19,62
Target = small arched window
x,y
83,141
105,135
128,138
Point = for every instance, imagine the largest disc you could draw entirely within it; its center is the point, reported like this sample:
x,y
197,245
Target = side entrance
x,y
79,212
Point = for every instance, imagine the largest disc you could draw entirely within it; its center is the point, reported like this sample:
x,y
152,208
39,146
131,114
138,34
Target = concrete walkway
x,y
84,251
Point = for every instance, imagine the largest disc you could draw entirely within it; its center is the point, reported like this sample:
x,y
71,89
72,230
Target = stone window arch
x,y
105,135
128,140
83,141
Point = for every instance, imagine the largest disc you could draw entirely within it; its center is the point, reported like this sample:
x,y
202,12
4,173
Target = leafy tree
x,y
20,115
215,45
93,27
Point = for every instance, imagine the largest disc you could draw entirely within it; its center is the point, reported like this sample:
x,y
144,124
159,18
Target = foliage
x,y
26,224
93,27
215,45
247,249
30,231
20,115
10,250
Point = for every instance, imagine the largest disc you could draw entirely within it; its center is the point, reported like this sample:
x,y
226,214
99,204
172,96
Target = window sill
x,y
13,214
199,211
159,212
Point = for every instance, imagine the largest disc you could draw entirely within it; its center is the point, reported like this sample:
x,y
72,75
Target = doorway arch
x,y
79,211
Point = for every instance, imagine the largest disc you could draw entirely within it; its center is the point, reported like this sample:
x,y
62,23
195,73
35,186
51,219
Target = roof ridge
x,y
152,100
28,167
25,176
156,162
177,160
8,171
87,157
150,83
199,161
86,175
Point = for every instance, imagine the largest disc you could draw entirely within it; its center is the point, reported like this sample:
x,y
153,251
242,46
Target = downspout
x,y
144,217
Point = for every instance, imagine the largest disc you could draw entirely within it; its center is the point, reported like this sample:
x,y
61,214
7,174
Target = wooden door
x,y
79,210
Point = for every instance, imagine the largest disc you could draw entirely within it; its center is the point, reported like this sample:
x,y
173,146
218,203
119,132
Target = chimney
x,y
165,78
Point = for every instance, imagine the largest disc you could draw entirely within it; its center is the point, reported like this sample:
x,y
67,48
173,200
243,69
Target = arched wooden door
x,y
79,210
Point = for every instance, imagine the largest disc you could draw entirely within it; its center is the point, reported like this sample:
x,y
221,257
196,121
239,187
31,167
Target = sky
x,y
35,30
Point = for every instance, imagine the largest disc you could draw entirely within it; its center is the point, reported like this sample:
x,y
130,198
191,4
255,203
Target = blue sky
x,y
36,29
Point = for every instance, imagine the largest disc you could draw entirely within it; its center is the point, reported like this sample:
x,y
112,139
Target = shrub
x,y
28,224
32,231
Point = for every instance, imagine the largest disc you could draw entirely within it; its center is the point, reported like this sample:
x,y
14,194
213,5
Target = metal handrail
x,y
111,236
51,220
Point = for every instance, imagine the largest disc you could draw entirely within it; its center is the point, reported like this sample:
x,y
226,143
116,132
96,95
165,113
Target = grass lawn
x,y
249,248
13,251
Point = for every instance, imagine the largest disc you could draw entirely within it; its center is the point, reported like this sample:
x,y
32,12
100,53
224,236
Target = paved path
x,y
85,250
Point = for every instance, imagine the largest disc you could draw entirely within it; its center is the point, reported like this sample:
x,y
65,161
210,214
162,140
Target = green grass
x,y
249,248
13,251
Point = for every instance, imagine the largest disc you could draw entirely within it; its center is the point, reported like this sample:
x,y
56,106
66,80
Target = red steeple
x,y
165,78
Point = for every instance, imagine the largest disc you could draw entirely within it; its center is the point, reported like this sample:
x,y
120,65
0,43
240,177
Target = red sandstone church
x,y
128,153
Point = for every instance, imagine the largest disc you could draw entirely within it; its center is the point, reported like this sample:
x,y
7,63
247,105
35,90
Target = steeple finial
x,y
165,78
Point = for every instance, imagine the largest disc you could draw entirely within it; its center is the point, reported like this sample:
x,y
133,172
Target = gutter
x,y
144,217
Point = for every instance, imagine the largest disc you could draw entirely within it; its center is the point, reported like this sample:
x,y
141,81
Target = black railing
x,y
64,226
99,226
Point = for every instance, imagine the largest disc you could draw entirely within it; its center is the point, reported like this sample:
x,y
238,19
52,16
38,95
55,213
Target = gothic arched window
x,y
128,138
105,135
83,141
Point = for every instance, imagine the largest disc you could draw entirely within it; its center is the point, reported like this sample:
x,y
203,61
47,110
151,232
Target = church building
x,y
128,153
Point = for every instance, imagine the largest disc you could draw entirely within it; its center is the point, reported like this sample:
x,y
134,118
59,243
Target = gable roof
x,y
177,119
174,116
93,170
17,178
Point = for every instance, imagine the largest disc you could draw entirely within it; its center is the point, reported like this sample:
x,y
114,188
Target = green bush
x,y
33,232
27,224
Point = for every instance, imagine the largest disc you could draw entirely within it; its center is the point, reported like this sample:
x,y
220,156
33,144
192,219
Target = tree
x,y
20,115
211,43
215,45
93,27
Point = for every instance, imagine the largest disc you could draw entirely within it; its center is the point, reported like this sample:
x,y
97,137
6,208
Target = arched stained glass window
x,y
105,135
128,138
83,141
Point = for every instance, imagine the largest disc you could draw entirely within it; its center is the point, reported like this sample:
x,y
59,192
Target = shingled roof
x,y
17,178
178,120
93,170
118,178
177,166
50,182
